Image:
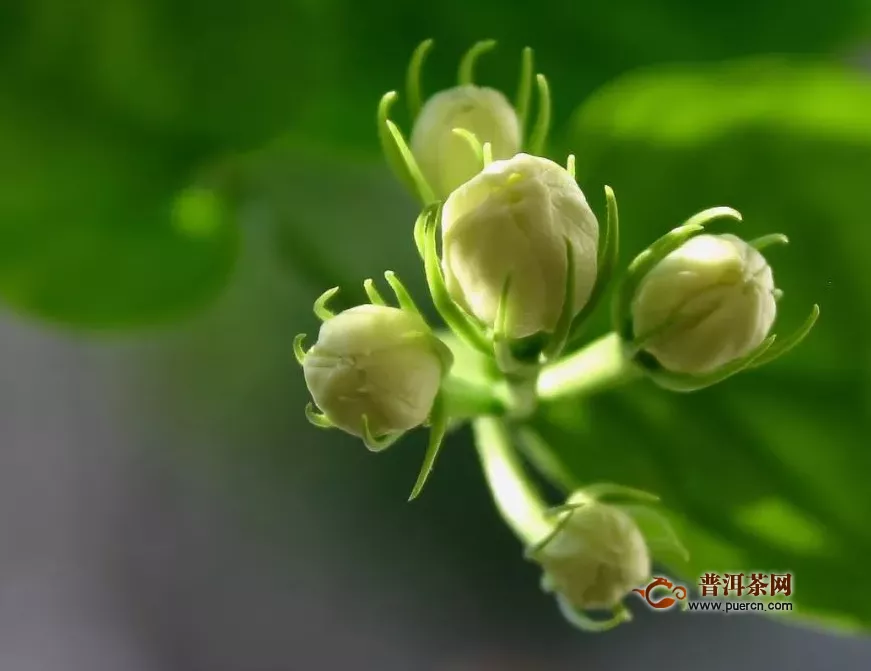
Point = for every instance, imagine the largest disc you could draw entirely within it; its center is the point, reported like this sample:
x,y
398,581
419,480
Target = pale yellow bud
x,y
596,558
377,361
514,219
447,160
708,303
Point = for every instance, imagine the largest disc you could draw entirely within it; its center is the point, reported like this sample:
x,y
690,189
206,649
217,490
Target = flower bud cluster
x,y
516,262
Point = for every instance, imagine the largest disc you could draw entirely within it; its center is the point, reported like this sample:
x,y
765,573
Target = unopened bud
x,y
706,304
448,160
377,362
515,219
597,556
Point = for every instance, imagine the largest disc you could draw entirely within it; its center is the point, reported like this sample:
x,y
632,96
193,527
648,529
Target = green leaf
x,y
98,227
112,107
765,471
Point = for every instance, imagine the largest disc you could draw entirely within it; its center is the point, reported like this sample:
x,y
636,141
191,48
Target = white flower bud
x,y
447,160
596,558
708,303
514,218
377,361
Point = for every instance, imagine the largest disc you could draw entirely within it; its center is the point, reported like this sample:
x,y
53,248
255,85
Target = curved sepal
x,y
561,333
570,165
602,491
320,309
487,153
542,121
466,73
768,240
403,297
372,292
682,382
504,348
784,345
619,615
608,257
559,516
438,428
444,353
298,349
317,418
378,443
474,144
398,155
524,88
453,316
412,79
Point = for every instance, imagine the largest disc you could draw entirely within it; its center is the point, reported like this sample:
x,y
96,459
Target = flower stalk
x,y
516,498
599,366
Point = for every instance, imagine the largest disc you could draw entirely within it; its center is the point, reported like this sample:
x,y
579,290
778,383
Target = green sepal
x,y
378,443
524,88
619,615
317,418
768,240
438,422
683,382
466,73
412,79
398,155
561,516
562,330
487,153
403,297
784,345
502,343
474,144
608,257
372,292
601,491
462,325
542,121
320,309
298,349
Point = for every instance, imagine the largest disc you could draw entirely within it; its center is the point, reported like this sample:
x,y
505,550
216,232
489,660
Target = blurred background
x,y
179,180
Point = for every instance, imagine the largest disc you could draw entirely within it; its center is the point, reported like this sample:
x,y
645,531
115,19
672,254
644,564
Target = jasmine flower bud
x,y
446,159
515,219
459,130
706,304
375,370
595,557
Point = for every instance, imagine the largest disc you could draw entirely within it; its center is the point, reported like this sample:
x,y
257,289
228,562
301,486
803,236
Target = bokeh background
x,y
180,179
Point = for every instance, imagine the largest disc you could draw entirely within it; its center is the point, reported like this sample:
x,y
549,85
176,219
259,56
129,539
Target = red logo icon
x,y
679,593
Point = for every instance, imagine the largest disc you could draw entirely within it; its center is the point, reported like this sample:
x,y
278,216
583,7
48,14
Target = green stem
x,y
515,496
466,399
599,366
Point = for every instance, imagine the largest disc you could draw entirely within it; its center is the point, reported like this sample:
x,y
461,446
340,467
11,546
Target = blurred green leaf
x,y
238,74
113,107
766,472
95,229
